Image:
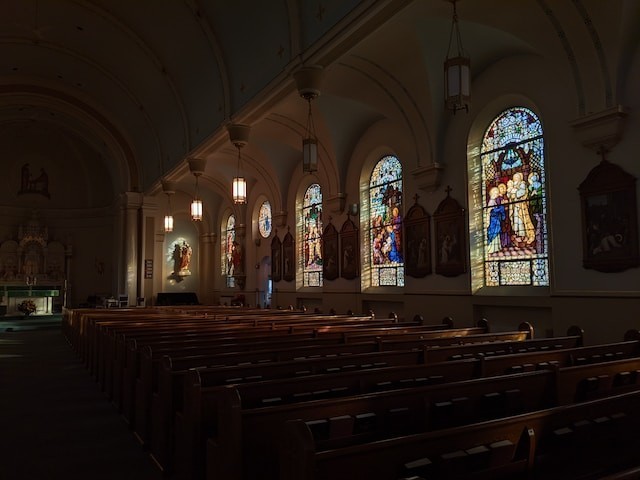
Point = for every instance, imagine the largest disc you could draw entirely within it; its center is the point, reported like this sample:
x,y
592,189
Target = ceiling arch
x,y
150,84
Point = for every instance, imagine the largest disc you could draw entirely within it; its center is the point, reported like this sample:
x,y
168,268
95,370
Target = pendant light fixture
x,y
168,189
196,166
239,137
310,142
457,70
196,204
239,185
308,81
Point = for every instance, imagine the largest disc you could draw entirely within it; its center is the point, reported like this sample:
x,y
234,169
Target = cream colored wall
x,y
398,101
80,210
605,305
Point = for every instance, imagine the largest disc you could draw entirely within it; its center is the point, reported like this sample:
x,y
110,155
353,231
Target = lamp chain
x,y
311,129
454,27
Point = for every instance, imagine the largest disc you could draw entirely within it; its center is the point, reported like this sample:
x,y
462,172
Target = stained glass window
x,y
385,232
264,219
229,249
515,203
312,236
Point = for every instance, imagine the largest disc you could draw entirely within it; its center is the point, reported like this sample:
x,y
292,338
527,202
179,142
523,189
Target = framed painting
x,y
609,219
276,258
450,236
330,252
288,258
418,241
349,250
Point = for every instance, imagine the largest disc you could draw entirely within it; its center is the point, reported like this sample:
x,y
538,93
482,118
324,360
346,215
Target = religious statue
x,y
29,184
181,257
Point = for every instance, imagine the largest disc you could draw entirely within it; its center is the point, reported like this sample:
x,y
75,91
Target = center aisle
x,y
55,423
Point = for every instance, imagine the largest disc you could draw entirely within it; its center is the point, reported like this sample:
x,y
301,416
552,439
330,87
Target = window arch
x,y
385,223
229,249
312,236
514,211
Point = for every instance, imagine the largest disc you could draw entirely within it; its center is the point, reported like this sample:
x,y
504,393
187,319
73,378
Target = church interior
x,y
433,159
123,113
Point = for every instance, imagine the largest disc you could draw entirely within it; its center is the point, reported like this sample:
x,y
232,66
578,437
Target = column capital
x,y
209,237
131,199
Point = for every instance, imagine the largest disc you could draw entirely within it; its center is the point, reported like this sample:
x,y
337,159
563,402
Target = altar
x,y
44,296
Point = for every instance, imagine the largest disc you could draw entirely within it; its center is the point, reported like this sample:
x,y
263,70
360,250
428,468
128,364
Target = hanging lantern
x,y
457,70
169,189
196,204
308,84
239,136
310,144
197,166
168,223
239,190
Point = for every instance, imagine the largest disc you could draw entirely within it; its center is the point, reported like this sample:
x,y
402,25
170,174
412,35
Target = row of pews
x,y
237,393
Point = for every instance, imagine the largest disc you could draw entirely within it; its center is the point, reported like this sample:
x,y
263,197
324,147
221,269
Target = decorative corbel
x,y
280,219
336,203
428,177
601,129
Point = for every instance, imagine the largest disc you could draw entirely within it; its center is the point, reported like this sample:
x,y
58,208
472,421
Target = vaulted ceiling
x,y
146,84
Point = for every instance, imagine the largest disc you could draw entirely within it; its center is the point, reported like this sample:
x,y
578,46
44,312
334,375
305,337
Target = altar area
x,y
47,298
33,267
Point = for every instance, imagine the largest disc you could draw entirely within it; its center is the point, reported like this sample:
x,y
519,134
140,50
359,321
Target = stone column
x,y
68,255
159,261
131,237
207,267
240,271
147,250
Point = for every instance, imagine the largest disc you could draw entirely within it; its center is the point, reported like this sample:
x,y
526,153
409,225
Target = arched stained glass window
x,y
515,203
312,236
264,219
385,231
229,249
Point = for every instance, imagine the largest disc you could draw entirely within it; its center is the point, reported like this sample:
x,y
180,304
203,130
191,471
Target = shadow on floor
x,y
56,424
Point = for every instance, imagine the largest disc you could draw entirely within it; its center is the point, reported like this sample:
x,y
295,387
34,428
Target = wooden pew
x,y
242,441
573,339
521,392
169,396
117,338
585,382
521,362
113,364
144,390
114,361
370,341
568,442
87,320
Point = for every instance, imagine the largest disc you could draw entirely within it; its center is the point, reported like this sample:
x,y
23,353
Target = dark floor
x,y
55,424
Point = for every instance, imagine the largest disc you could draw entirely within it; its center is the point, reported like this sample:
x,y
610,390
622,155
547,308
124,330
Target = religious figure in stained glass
x,y
515,240
264,219
385,206
312,236
231,258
